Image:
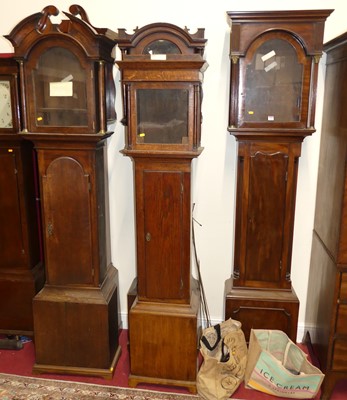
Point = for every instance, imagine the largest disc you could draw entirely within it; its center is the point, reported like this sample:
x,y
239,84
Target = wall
x,y
214,171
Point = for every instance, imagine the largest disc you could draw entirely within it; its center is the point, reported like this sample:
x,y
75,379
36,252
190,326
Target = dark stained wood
x,y
307,24
259,309
303,29
21,267
91,47
267,173
265,223
163,229
164,196
77,253
271,111
82,337
162,115
60,227
326,308
76,313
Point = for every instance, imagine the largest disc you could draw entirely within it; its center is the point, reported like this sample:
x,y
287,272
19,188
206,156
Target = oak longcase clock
x,y
274,63
67,94
161,73
21,267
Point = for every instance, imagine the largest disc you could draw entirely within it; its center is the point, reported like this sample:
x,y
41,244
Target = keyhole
x,y
50,229
148,237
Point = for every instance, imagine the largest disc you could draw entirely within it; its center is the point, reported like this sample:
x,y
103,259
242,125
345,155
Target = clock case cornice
x,y
188,43
292,21
96,42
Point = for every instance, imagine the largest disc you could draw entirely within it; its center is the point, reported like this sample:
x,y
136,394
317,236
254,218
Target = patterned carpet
x,y
14,387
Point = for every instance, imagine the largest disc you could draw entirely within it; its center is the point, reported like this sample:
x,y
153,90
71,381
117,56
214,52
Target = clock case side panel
x,y
326,296
102,201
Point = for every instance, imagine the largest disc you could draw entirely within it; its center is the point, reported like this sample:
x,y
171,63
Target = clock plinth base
x,y
76,329
262,309
164,343
17,289
106,373
135,380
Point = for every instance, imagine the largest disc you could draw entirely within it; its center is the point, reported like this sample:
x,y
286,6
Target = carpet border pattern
x,y
20,387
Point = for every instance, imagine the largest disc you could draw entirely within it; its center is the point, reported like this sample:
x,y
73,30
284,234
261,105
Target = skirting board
x,y
302,328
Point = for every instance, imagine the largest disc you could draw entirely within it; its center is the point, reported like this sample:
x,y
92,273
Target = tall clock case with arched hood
x,y
67,93
274,64
161,71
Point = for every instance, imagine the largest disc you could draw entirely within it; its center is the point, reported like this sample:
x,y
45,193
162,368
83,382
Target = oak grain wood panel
x,y
163,193
66,183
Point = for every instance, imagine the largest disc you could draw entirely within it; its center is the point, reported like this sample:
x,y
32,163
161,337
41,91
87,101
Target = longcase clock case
x,y
274,62
161,72
326,310
67,94
21,267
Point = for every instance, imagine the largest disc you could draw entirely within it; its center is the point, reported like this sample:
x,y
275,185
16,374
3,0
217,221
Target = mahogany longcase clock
x,y
21,267
274,62
67,95
161,73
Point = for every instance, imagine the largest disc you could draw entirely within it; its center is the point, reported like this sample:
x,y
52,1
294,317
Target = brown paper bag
x,y
224,352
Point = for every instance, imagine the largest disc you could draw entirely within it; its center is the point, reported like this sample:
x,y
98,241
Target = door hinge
x,y
236,273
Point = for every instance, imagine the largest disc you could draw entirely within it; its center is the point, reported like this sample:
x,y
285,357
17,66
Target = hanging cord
x,y
204,306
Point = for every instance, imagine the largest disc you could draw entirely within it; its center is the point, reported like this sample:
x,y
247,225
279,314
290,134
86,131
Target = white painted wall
x,y
214,171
